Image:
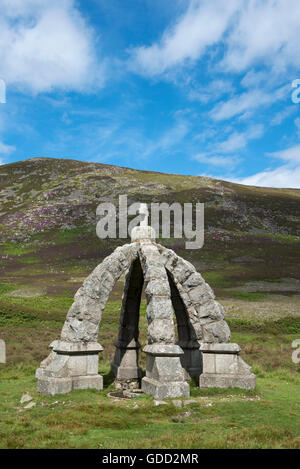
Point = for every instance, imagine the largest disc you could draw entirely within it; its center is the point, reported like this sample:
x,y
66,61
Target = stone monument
x,y
172,287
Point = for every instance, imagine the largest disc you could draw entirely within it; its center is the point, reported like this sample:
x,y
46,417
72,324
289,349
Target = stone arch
x,y
84,316
205,314
191,361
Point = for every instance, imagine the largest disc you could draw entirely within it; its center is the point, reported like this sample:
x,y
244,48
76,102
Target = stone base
x,y
69,366
128,384
165,390
224,368
125,365
51,386
211,380
87,382
164,373
126,373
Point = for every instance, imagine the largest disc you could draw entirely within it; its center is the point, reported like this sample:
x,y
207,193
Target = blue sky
x,y
196,87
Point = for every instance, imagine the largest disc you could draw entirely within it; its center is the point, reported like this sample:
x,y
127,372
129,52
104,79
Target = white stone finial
x,y
142,232
143,210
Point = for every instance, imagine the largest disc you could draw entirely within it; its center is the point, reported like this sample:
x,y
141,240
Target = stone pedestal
x,y
224,368
191,361
125,365
70,365
164,376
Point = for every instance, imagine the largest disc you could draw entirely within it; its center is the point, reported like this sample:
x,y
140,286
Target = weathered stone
x,y
165,390
142,232
30,405
2,351
212,309
223,367
157,287
159,308
201,294
227,381
161,330
88,382
216,332
164,374
157,403
71,366
193,280
25,398
189,402
177,403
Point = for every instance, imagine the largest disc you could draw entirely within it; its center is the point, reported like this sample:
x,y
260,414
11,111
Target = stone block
x,y
209,364
92,365
2,352
161,330
77,365
211,380
51,386
87,382
159,308
165,390
224,368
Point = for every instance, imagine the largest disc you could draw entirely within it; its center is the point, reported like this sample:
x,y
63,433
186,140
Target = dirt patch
x,y
28,292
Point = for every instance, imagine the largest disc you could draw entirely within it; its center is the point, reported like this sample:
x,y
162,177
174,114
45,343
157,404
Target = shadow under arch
x,y
125,363
191,361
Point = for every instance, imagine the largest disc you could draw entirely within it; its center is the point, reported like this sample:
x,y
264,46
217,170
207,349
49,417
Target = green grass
x,y
30,260
267,417
16,249
68,236
241,295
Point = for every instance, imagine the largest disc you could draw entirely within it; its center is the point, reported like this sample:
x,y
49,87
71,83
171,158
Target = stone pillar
x,y
2,351
164,373
224,368
192,359
70,365
125,365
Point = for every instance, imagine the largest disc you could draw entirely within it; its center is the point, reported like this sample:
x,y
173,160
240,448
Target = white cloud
x,y
248,32
6,149
282,177
224,153
202,25
247,102
211,92
297,124
266,31
282,115
287,175
237,140
169,139
47,45
290,154
223,161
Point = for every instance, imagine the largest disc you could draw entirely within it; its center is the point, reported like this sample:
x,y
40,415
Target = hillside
x,y
48,220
